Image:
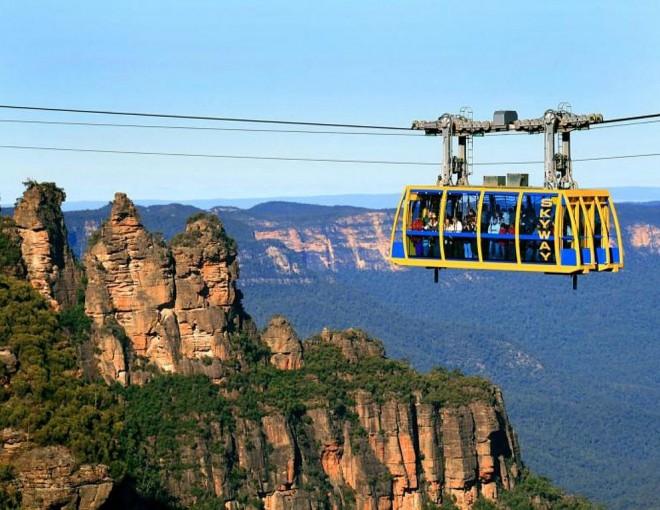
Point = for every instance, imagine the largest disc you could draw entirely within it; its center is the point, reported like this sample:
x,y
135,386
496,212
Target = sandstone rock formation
x,y
645,237
354,344
205,281
284,344
171,307
357,239
50,477
382,453
50,264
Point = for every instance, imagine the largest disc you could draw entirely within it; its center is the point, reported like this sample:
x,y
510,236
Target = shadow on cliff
x,y
125,496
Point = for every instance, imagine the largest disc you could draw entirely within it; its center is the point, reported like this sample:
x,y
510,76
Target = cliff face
x,y
284,344
50,266
51,477
358,241
380,453
288,241
645,237
172,307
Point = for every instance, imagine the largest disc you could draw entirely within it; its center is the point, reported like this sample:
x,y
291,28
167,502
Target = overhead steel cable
x,y
635,117
266,130
204,128
598,126
262,121
312,160
200,117
217,156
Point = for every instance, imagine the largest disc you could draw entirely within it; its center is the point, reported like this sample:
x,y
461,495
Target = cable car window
x,y
567,239
537,228
423,224
460,225
584,232
598,227
602,223
609,224
498,216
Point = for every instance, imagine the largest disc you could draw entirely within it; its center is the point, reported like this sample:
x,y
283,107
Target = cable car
x,y
506,225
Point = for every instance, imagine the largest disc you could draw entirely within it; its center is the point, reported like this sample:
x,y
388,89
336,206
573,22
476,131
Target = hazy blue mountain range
x,y
579,369
371,201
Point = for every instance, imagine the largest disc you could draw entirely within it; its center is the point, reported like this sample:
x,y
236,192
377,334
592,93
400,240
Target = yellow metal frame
x,y
581,205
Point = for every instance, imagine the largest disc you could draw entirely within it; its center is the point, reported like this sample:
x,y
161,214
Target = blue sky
x,y
368,62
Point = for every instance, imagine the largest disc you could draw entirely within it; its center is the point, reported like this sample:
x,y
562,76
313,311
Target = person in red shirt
x,y
501,244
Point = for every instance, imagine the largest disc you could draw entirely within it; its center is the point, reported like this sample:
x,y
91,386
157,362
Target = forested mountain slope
x,y
154,389
579,367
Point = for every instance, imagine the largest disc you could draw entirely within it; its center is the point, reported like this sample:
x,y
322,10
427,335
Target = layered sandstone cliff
x,y
50,265
51,477
645,237
358,241
284,344
383,452
171,306
313,238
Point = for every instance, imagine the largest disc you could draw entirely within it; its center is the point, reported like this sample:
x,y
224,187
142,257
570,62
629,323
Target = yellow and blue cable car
x,y
555,229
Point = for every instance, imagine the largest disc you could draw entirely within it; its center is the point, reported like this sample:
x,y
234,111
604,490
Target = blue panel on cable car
x,y
397,250
568,257
586,256
616,257
601,256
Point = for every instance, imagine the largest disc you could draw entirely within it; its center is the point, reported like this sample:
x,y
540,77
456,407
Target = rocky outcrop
x,y
205,281
172,307
51,477
290,245
285,346
50,265
354,344
645,237
8,365
476,444
381,453
359,241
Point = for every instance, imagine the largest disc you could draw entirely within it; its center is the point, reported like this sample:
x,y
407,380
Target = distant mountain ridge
x,y
369,201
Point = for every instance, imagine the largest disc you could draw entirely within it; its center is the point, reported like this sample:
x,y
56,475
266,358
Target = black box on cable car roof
x,y
517,180
504,117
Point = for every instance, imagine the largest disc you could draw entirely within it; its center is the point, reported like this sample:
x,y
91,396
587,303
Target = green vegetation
x,y
45,399
534,492
52,193
76,324
328,378
10,251
163,420
201,223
